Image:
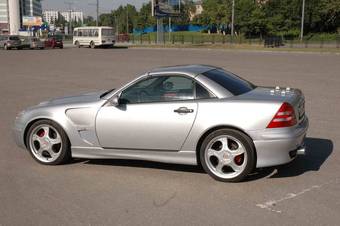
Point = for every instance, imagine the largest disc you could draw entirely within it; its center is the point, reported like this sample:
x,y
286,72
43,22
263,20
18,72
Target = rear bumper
x,y
279,146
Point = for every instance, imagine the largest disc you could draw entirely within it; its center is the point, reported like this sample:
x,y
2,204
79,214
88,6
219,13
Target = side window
x,y
202,93
159,89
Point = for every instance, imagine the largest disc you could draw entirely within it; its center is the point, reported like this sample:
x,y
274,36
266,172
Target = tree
x,y
144,17
106,19
89,21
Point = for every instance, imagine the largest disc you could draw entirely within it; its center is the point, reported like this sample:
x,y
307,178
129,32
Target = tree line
x,y
253,18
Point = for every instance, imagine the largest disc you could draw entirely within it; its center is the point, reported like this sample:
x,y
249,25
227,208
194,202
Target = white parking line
x,y
271,204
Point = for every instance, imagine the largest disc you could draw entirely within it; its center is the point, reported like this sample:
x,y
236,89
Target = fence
x,y
214,39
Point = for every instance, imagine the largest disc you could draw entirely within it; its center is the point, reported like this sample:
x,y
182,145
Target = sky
x,y
87,7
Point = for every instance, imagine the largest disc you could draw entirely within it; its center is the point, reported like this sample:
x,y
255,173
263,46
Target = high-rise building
x,y
51,16
4,15
9,16
12,11
31,8
76,16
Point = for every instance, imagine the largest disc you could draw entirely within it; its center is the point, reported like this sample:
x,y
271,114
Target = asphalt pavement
x,y
125,192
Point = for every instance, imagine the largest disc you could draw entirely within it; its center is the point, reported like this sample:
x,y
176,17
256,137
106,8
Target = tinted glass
x,y
231,82
159,89
14,38
202,93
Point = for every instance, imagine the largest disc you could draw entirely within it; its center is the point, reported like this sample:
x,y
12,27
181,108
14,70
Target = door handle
x,y
183,110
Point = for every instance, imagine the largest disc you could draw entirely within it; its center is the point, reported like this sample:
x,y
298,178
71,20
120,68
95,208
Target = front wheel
x,y
227,155
48,143
77,44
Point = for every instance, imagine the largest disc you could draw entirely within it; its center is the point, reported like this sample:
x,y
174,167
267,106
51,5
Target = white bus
x,y
93,36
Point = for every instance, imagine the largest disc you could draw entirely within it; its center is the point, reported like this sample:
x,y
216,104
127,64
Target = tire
x,y
41,142
92,45
77,44
227,155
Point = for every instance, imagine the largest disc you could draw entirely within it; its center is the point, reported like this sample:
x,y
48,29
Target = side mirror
x,y
115,100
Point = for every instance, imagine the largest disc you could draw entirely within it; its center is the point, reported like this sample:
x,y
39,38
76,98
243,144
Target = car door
x,y
156,113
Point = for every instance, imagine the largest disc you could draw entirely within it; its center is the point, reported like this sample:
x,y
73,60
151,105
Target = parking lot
x,y
122,192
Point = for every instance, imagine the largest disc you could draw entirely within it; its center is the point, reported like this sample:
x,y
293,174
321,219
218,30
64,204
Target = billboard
x,y
32,21
166,8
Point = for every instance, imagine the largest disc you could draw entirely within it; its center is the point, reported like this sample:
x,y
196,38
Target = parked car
x,y
10,42
193,114
54,42
34,43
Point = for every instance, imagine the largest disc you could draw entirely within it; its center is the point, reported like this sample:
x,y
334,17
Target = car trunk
x,y
292,96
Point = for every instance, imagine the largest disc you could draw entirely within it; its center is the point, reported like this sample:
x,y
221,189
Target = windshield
x,y
229,81
107,32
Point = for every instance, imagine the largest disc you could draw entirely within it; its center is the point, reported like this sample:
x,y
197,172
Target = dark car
x,y
10,41
54,42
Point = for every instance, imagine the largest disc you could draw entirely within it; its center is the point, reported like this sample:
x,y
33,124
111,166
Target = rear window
x,y
14,38
229,81
107,32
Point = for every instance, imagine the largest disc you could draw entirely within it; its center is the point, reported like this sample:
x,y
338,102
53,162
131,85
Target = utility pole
x,y
70,4
232,18
127,19
302,19
97,11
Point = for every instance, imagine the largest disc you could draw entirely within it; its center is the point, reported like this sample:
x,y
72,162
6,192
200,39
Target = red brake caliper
x,y
41,133
239,159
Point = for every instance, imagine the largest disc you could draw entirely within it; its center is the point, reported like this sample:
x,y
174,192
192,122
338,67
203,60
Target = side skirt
x,y
181,157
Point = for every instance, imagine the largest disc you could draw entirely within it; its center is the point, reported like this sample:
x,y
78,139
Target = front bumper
x,y
18,136
279,146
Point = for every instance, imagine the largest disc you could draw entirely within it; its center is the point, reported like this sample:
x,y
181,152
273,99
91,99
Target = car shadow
x,y
317,152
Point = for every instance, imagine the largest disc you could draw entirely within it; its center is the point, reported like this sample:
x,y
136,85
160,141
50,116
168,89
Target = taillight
x,y
285,117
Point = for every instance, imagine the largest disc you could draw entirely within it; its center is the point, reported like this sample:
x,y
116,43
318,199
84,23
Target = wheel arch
x,y
209,131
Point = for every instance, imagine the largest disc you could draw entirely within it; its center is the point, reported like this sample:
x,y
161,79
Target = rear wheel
x,y
48,143
92,45
227,155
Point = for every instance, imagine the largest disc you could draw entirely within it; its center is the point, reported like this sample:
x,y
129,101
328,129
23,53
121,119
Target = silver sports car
x,y
192,114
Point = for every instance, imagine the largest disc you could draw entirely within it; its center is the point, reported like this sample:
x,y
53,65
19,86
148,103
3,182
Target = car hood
x,y
69,100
